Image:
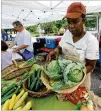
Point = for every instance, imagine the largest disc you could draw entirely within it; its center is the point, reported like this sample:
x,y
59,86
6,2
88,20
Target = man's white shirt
x,y
24,38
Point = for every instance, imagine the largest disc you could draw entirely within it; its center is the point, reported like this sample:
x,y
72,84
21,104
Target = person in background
x,y
23,41
4,35
6,57
85,43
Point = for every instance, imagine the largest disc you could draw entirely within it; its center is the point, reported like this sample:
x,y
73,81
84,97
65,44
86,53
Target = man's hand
x,y
54,54
12,44
50,55
14,51
20,48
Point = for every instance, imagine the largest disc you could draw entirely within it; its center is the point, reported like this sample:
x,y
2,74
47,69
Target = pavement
x,y
96,81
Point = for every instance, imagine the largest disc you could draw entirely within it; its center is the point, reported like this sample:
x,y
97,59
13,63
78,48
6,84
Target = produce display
x,y
80,98
64,73
9,91
34,84
17,102
13,88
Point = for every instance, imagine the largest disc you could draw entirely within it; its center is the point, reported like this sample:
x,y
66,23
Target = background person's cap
x,y
75,10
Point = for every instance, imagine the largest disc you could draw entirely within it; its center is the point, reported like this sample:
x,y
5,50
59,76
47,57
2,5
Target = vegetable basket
x,y
45,79
13,71
42,92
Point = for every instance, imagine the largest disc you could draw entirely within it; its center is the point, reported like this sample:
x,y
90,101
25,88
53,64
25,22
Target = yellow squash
x,y
27,106
21,100
6,105
19,95
19,108
12,102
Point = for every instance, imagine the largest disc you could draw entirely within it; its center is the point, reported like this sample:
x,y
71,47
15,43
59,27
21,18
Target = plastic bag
x,y
69,50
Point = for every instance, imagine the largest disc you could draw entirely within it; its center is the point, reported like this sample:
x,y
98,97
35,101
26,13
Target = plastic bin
x,y
51,43
41,40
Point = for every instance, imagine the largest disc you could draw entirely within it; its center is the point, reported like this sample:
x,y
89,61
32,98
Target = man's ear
x,y
84,27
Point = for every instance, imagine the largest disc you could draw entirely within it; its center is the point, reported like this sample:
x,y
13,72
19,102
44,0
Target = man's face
x,y
17,28
75,26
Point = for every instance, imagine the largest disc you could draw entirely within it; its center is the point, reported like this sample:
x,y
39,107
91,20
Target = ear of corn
x,y
12,102
19,95
20,101
27,106
6,105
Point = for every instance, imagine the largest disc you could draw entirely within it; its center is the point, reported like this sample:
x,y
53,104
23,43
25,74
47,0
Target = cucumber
x,y
29,80
32,77
9,92
33,83
39,73
9,88
6,98
9,96
37,86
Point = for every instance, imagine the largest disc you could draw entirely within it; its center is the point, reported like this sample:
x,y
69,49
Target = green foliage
x,y
48,27
32,29
61,23
53,27
91,23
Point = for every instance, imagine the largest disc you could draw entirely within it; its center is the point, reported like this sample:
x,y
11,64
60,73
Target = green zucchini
x,y
32,77
8,89
6,98
29,80
9,92
37,85
33,84
39,73
9,96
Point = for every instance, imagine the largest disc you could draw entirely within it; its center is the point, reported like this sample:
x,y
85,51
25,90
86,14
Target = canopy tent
x,y
35,12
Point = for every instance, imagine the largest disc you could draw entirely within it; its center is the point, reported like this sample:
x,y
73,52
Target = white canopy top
x,y
34,12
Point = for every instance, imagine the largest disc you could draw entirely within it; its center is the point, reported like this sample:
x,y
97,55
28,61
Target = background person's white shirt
x,y
87,47
24,38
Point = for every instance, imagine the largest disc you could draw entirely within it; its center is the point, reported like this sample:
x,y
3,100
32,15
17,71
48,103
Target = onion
x,y
90,107
84,107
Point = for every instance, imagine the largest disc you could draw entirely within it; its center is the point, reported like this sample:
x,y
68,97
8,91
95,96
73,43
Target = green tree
x,y
47,27
32,29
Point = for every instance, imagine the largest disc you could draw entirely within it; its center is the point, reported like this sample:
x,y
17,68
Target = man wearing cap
x,y
85,43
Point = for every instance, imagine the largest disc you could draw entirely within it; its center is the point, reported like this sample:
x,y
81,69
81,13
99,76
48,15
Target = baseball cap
x,y
75,10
